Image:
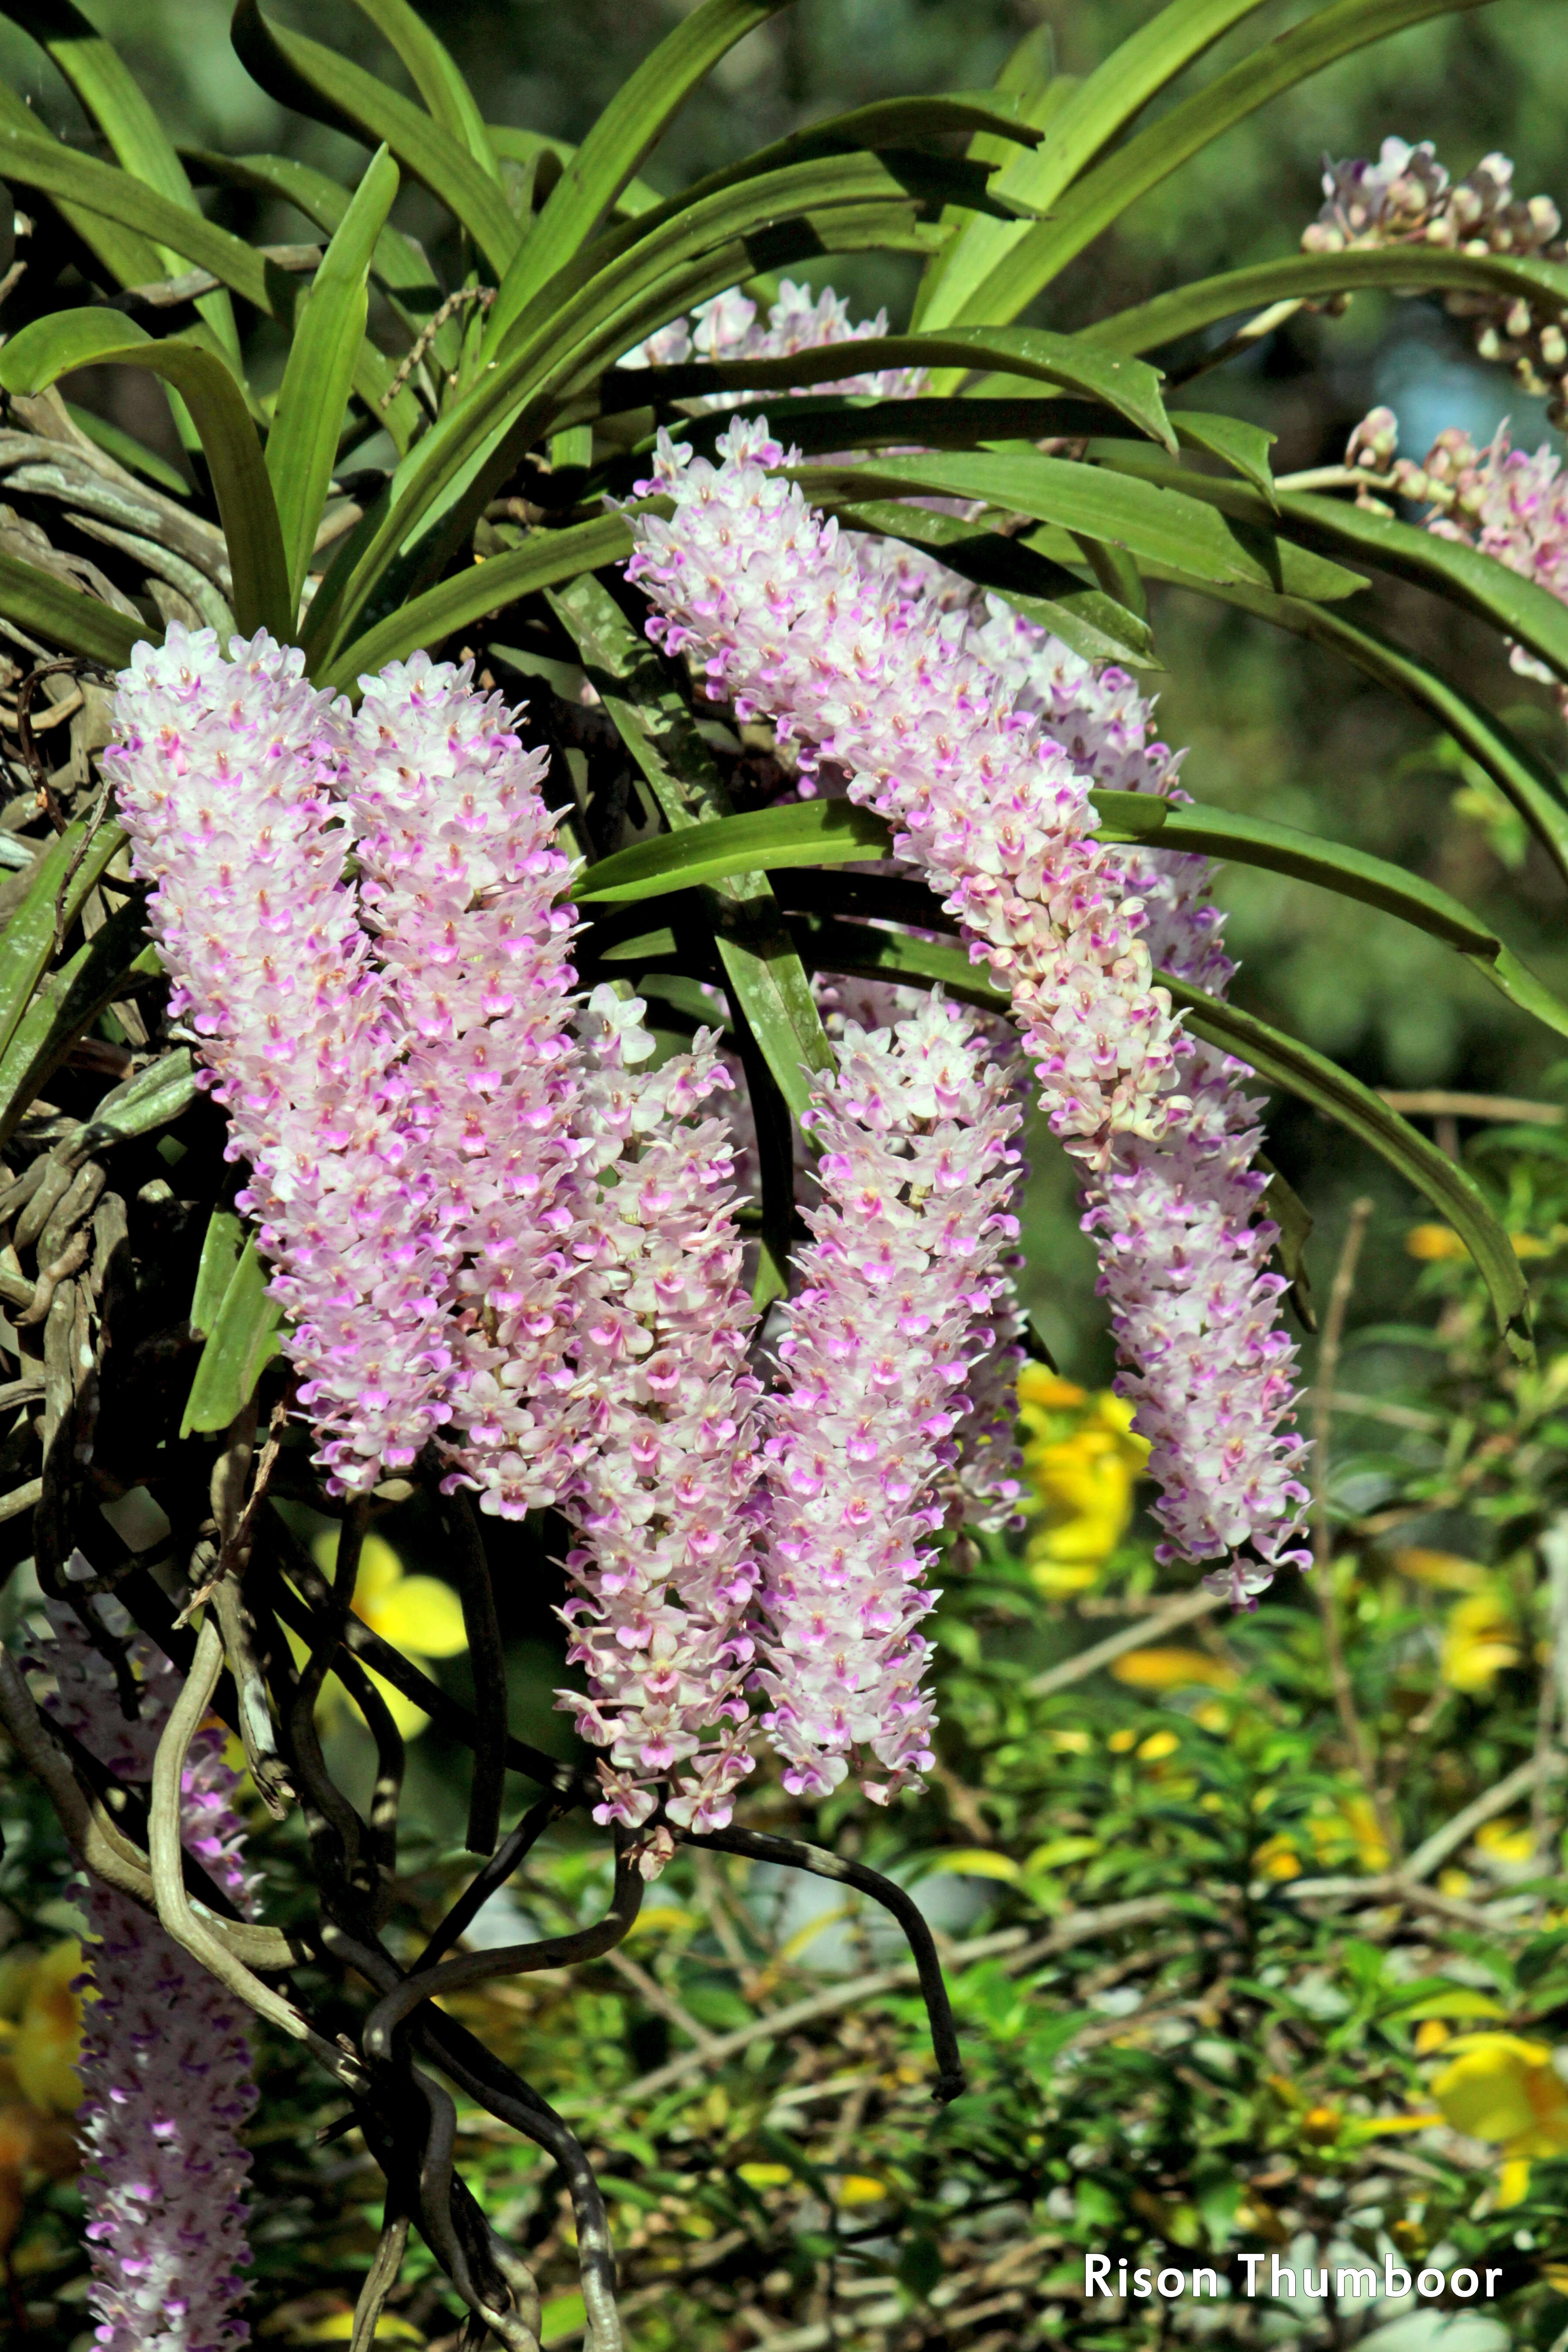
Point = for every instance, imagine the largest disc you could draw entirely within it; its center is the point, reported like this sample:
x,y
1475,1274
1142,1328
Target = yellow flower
x,y
1158,1744
1277,1858
1500,2087
1082,1461
1349,1831
1446,1570
1479,1642
1431,2034
1173,1669
859,2189
41,2037
1509,1845
417,1614
1434,1243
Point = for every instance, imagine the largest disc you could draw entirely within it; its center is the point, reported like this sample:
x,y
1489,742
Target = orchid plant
x,y
622,1074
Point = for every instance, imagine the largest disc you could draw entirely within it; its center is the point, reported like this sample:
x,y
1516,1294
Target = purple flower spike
x,y
907,1265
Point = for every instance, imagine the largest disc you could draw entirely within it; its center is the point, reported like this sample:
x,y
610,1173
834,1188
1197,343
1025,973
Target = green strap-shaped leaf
x,y
298,72
770,986
1082,121
448,475
128,119
1479,584
818,833
56,345
126,257
615,147
1512,766
69,868
399,266
525,146
896,127
67,1003
544,560
1286,1062
833,833
1333,865
433,72
62,615
328,329
84,186
1132,170
1029,352
1170,528
241,1344
1404,269
1281,1061
221,1246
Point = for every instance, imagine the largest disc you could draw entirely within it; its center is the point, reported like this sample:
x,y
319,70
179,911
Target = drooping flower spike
x,y
985,736
906,1267
463,890
816,630
665,1564
165,2062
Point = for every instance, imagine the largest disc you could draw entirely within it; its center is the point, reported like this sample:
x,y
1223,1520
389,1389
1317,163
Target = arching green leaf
x,y
1089,500
300,73
1086,118
56,345
1132,170
328,331
1405,269
615,147
128,119
81,183
1286,1062
1512,766
1332,866
543,561
818,833
59,614
1031,352
433,72
1478,583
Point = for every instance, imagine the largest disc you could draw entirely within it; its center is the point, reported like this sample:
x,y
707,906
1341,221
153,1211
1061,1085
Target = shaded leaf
x,y
58,614
56,345
239,1346
328,329
816,833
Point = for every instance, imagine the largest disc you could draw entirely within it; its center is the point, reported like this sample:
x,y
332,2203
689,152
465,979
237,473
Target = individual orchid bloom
x,y
664,1561
908,1260
165,2062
